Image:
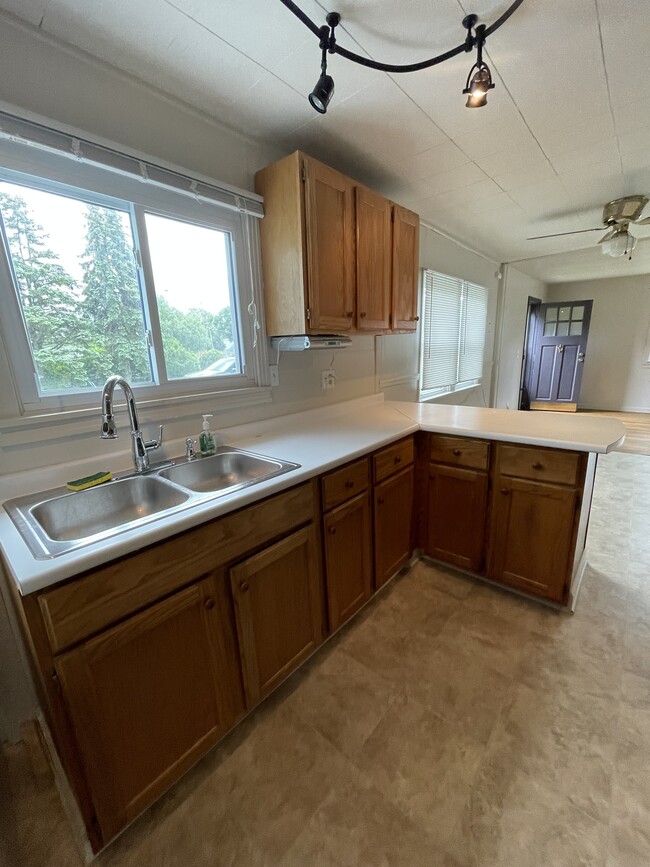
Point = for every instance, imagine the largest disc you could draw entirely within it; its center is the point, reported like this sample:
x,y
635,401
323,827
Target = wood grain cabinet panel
x,y
393,510
393,458
533,536
373,259
148,697
460,451
456,516
340,485
405,269
278,609
347,545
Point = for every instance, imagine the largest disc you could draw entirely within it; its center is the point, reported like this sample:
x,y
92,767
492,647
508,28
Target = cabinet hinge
x,y
303,173
308,313
56,682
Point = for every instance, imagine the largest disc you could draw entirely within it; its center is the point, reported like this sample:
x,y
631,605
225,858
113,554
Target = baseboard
x,y
553,406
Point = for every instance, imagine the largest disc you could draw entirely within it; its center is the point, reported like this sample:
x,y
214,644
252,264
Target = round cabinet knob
x,y
350,314
349,484
209,603
244,586
538,466
416,319
362,315
505,491
457,452
398,459
332,531
380,500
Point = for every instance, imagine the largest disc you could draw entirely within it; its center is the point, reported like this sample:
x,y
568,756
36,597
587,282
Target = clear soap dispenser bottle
x,y
207,440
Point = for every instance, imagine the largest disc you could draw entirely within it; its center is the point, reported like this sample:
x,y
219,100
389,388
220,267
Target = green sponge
x,y
89,481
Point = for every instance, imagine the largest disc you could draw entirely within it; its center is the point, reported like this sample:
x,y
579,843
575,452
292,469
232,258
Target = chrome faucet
x,y
141,447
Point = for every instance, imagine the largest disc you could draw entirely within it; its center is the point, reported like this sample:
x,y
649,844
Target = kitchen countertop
x,y
318,440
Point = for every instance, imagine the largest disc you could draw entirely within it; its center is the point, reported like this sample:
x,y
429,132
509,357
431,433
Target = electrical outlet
x,y
328,379
274,371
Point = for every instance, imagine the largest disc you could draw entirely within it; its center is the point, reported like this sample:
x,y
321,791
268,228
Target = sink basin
x,y
226,470
62,522
57,521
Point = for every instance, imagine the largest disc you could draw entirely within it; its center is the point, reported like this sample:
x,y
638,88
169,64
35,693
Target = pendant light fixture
x,y
479,80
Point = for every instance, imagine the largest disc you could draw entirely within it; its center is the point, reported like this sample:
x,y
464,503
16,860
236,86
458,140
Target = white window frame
x,y
56,174
458,385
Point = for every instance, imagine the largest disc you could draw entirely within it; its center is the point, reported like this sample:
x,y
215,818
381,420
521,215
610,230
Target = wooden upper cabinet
x,y
307,244
373,223
406,251
149,696
335,255
329,219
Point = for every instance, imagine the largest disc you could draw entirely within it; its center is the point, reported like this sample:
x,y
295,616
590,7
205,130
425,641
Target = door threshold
x,y
553,406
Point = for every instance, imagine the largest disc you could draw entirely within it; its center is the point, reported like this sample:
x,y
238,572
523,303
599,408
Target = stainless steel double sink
x,y
58,521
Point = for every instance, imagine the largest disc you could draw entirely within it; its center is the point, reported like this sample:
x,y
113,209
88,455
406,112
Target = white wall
x,y
514,291
616,375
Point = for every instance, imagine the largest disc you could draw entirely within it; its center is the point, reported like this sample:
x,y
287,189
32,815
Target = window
x,y
453,334
110,264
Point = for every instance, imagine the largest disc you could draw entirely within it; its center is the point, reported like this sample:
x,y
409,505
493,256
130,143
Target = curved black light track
x,y
327,40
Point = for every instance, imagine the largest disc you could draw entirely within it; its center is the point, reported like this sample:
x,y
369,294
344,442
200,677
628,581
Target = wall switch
x,y
328,379
274,370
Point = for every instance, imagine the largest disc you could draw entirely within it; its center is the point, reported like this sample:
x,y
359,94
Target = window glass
x,y
192,277
578,312
565,314
562,329
549,329
78,289
576,329
551,314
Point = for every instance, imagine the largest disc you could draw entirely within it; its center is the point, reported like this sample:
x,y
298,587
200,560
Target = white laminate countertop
x,y
318,440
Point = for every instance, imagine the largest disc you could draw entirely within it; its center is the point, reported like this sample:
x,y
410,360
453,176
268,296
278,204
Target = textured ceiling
x,y
565,130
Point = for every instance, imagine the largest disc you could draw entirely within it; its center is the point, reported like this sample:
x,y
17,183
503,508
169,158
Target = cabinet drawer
x,y
460,452
392,458
539,464
340,485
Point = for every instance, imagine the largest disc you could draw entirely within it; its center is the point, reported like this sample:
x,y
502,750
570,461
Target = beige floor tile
x,y
511,820
423,764
636,657
524,613
635,691
343,699
628,846
448,581
356,825
497,642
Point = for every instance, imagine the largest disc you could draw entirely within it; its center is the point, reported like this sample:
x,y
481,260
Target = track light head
x,y
477,87
322,93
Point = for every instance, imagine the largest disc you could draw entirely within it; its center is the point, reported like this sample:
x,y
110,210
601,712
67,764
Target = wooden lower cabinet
x,y
149,696
533,534
347,543
278,609
393,510
457,504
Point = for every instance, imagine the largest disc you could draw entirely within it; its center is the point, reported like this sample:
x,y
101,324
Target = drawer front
x,y
460,452
540,464
341,485
392,458
76,610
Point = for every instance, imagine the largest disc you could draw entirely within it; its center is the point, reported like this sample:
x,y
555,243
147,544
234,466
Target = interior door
x,y
558,356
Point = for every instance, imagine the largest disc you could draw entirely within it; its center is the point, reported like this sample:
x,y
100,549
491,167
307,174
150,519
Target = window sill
x,y
29,428
432,398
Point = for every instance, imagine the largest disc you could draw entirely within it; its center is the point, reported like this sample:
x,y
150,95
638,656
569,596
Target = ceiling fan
x,y
617,216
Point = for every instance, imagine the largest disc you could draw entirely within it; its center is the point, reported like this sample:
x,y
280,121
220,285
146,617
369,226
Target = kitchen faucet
x,y
141,447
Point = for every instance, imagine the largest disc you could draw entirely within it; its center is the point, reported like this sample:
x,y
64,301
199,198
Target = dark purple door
x,y
559,352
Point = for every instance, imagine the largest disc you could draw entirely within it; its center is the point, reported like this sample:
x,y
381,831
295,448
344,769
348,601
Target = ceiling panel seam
x,y
609,93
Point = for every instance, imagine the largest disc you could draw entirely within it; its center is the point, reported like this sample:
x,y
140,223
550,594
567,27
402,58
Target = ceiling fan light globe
x,y
620,245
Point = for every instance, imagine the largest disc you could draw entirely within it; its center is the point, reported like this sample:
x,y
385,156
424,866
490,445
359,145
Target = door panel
x,y
559,352
393,509
457,499
373,260
348,561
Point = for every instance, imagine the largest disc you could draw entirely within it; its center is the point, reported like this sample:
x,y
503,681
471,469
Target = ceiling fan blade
x,y
559,234
644,222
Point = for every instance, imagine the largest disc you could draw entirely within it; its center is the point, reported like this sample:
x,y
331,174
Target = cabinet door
x,y
373,221
406,247
148,697
348,560
329,218
457,500
278,609
532,536
393,508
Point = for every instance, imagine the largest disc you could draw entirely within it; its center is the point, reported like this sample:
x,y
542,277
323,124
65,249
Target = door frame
x,y
528,350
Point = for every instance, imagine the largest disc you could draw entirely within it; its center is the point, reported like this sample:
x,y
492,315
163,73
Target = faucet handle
x,y
150,445
190,454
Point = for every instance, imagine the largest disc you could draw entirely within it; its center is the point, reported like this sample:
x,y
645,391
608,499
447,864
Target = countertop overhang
x,y
318,440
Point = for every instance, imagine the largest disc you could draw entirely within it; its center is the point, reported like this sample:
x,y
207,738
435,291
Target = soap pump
x,y
207,440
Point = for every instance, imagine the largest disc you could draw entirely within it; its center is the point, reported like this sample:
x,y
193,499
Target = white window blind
x,y
453,333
